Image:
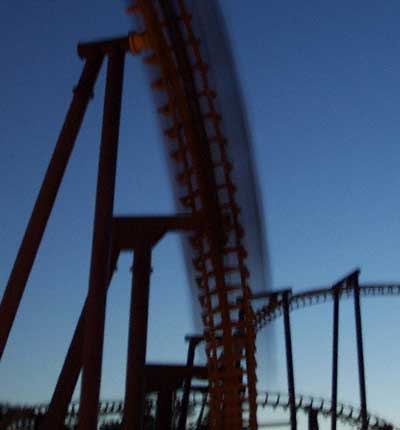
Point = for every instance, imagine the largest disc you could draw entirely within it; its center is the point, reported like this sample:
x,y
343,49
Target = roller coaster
x,y
111,412
211,213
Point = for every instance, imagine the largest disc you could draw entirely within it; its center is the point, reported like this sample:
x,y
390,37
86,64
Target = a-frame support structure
x,y
111,235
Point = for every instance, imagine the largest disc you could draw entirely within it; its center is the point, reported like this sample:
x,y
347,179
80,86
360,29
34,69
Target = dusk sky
x,y
321,87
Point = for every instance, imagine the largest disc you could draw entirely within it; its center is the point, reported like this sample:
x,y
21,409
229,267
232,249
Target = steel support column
x,y
335,350
360,352
202,409
101,247
137,342
313,419
289,360
193,342
46,198
58,407
164,409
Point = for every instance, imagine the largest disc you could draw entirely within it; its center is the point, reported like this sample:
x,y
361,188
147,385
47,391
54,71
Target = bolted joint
x,y
138,42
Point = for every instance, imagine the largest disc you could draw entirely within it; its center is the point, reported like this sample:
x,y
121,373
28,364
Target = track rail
x,y
113,410
346,413
268,313
200,153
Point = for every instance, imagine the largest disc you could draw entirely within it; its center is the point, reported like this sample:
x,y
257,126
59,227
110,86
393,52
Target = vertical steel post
x,y
164,409
360,351
55,415
46,198
137,341
335,350
289,360
313,419
202,409
193,342
101,247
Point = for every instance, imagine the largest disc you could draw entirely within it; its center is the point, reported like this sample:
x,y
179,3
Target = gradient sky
x,y
321,85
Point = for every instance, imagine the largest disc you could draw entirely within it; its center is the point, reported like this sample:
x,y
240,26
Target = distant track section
x,y
24,417
346,413
269,313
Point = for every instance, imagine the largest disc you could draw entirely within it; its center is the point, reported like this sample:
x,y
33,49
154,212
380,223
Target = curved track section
x,y
199,150
346,413
25,417
270,312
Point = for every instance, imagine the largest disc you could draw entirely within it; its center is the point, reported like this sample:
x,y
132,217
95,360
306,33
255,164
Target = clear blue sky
x,y
321,85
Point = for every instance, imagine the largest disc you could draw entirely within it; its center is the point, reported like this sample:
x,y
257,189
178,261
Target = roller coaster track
x,y
199,149
346,413
271,311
